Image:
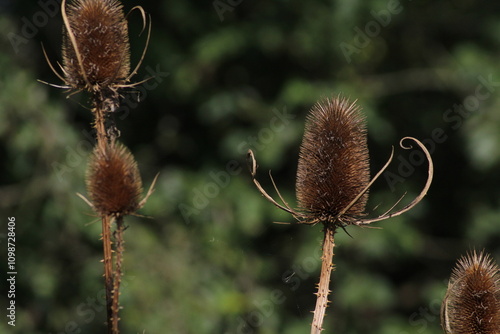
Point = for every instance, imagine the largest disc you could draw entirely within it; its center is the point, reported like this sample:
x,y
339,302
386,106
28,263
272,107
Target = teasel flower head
x,y
113,181
96,51
472,301
333,164
333,174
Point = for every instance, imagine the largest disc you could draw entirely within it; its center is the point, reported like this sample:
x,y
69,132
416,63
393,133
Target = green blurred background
x,y
233,75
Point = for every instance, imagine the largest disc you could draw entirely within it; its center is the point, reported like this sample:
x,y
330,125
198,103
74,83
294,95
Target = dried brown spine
x,y
472,302
333,164
113,181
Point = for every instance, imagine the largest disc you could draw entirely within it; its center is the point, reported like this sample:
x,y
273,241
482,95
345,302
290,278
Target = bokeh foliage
x,y
244,77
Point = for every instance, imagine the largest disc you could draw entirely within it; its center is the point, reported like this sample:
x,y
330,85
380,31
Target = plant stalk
x,y
100,125
108,267
324,281
117,276
112,287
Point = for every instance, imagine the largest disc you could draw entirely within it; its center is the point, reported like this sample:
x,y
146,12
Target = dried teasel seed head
x,y
333,164
113,181
96,50
472,302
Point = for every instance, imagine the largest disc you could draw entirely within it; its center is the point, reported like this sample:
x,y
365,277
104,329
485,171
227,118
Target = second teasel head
x,y
472,301
333,163
113,181
96,51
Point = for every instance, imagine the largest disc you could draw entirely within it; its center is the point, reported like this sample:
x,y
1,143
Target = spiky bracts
x,y
96,51
333,164
472,302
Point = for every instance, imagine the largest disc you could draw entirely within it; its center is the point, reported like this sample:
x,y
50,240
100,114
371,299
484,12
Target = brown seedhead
x,y
113,181
96,51
472,302
333,163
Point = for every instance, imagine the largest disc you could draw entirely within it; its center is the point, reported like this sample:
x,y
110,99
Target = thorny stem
x,y
100,127
110,282
324,280
104,104
117,276
108,266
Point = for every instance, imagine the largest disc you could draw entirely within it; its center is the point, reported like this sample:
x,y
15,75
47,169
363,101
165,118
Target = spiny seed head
x,y
101,40
333,162
113,181
472,302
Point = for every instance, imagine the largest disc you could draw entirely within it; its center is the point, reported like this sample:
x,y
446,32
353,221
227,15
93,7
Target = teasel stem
x,y
324,280
100,126
108,267
110,282
117,275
